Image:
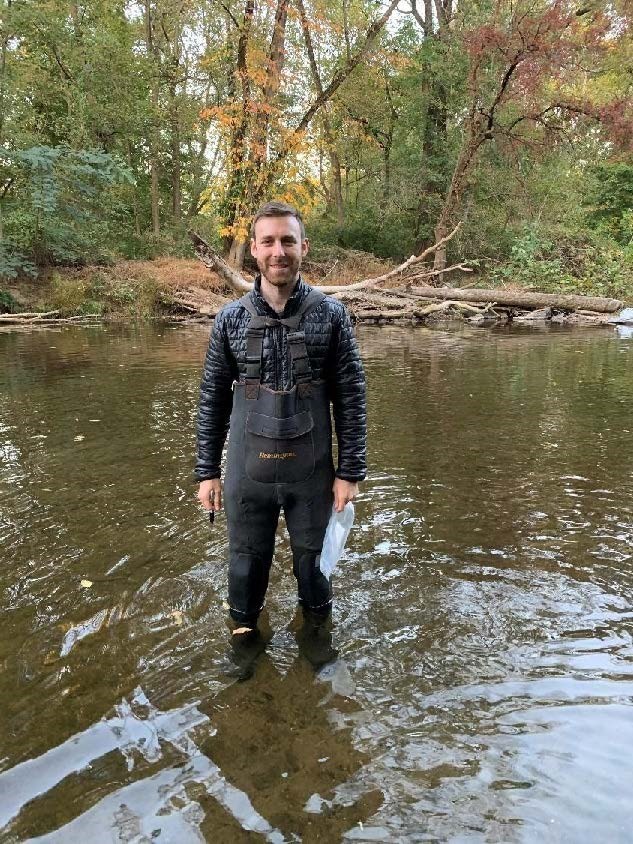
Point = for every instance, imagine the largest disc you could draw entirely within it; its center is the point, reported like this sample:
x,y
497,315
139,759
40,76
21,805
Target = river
x,y
480,687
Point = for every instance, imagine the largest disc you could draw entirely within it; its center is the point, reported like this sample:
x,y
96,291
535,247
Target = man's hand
x,y
210,494
344,491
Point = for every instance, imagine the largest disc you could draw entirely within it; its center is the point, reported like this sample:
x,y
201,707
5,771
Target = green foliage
x,y
609,200
8,303
68,295
14,263
61,214
593,265
366,230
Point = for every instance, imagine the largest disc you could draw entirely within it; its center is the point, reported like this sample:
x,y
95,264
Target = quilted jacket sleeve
x,y
216,400
348,399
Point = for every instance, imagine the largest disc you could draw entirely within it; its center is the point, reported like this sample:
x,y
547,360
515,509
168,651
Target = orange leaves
x,y
226,116
231,114
302,194
239,230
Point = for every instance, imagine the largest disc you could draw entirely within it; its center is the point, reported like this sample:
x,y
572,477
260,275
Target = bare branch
x,y
67,74
398,271
341,75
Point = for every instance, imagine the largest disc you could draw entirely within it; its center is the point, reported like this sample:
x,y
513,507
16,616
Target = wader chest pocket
x,y
279,450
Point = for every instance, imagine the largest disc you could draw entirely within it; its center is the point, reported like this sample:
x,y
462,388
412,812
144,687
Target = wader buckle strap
x,y
301,368
254,345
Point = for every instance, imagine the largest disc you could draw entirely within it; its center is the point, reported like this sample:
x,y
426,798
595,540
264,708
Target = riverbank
x,y
162,288
182,290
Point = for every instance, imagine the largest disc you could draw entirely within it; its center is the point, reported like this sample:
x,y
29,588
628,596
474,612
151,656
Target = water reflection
x,y
478,681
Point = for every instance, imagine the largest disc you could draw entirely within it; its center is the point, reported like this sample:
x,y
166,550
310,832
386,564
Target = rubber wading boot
x,y
314,640
245,646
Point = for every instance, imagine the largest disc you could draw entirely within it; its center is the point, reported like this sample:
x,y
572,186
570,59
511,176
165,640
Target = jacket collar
x,y
292,305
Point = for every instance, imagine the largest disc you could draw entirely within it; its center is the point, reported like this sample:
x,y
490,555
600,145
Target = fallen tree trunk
x,y
521,299
44,318
213,261
28,315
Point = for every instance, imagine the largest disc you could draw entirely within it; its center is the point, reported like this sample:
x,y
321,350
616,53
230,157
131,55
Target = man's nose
x,y
278,249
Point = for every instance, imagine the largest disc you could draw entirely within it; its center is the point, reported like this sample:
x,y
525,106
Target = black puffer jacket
x,y
333,357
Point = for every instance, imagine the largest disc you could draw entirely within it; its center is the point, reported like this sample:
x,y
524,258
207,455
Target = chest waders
x,y
279,456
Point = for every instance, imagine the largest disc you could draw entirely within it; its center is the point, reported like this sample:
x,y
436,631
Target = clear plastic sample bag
x,y
336,535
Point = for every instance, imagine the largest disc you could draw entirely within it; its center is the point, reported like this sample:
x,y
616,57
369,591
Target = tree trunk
x,y
387,144
335,195
237,253
337,187
137,220
154,186
153,142
434,147
463,167
234,199
175,159
521,299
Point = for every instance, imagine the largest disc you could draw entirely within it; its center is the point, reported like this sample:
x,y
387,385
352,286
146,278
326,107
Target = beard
x,y
279,274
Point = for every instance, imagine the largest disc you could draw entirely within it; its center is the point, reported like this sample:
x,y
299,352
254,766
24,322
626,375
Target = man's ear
x,y
305,245
253,247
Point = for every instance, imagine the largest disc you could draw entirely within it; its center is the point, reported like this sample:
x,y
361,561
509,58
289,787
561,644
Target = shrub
x,y
591,264
67,294
9,304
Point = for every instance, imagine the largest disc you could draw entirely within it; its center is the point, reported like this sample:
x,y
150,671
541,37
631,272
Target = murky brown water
x,y
484,614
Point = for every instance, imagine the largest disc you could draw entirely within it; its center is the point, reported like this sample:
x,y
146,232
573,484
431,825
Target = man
x,y
276,360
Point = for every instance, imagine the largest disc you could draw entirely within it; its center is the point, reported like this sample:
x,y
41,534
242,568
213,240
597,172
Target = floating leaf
x,y
86,584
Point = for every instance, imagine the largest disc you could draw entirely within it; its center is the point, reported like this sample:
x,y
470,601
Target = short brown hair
x,y
277,209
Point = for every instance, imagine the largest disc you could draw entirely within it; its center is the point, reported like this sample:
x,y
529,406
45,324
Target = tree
x,y
261,137
513,58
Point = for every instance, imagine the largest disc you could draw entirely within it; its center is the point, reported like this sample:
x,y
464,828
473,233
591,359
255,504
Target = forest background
x,y
124,124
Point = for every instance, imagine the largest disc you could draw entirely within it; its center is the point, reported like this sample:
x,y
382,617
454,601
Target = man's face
x,y
278,249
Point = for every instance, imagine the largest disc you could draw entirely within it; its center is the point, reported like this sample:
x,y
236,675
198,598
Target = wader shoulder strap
x,y
254,346
301,369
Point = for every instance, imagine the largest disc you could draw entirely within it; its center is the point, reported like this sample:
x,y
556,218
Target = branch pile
x,y
406,294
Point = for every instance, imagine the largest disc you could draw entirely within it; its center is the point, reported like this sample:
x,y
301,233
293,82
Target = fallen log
x,y
521,299
197,300
22,319
213,261
27,315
